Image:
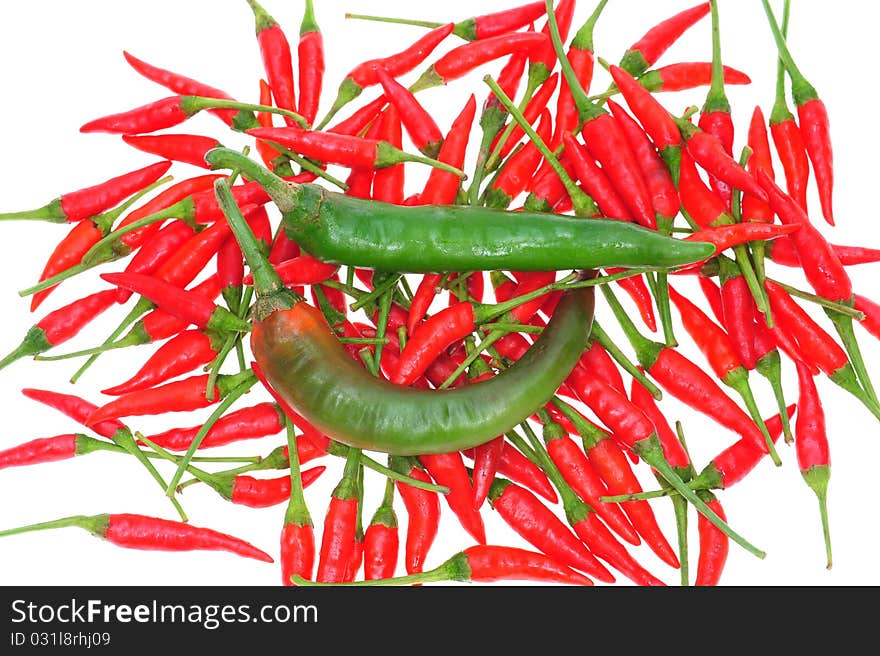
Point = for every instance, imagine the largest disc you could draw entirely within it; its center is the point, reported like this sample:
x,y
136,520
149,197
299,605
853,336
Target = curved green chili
x,y
347,230
306,364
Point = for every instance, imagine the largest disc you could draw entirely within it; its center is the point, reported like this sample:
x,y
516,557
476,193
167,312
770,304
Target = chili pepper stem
x,y
130,318
770,367
599,335
51,212
95,524
583,204
124,439
740,383
650,450
194,104
396,21
223,406
844,309
639,496
817,478
129,340
844,325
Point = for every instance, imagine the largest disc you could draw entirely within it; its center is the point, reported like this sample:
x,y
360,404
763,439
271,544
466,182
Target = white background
x,y
63,65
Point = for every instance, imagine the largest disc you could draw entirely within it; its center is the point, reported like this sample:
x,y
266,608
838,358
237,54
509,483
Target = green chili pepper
x,y
366,233
306,365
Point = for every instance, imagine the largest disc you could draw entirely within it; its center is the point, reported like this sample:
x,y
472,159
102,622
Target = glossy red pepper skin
x,y
654,118
361,119
152,533
423,511
448,469
783,251
68,253
499,22
418,122
534,109
594,180
66,322
602,543
365,74
267,492
181,354
381,544
276,56
760,159
647,50
514,176
310,59
442,186
186,148
431,338
815,132
539,526
337,541
389,182
688,75
74,407
182,85
714,547
494,563
297,551
44,449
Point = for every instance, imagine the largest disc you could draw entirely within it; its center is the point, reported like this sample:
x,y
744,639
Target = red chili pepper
x,y
499,22
381,541
364,75
644,53
811,446
623,418
715,116
661,187
736,461
514,176
174,194
542,58
179,396
85,203
598,363
539,526
814,124
181,354
448,470
518,468
738,311
820,263
297,550
432,338
74,407
186,305
338,538
420,125
783,251
340,149
277,61
594,180
442,186
247,423
655,119
151,533
182,85
267,492
61,325
300,270
267,152
709,153
685,380
688,75
574,466
721,354
310,57
871,310
463,59
819,348
714,546
154,116
187,148
582,59
361,119
388,183
728,236
673,449
638,291
760,159
48,449
67,254
423,515
703,204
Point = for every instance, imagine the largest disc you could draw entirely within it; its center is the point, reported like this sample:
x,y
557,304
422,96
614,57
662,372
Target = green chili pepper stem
x,y
223,406
397,21
485,313
599,335
202,475
297,511
838,308
780,112
770,367
844,325
436,575
392,474
494,160
307,165
214,369
125,439
50,212
377,292
275,460
193,104
639,496
738,379
140,308
590,434
584,205
647,351
94,524
650,450
658,284
131,339
801,89
382,327
585,107
817,477
491,121
716,99
348,91
487,341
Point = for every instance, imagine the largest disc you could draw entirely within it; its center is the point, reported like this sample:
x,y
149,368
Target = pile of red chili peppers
x,y
443,339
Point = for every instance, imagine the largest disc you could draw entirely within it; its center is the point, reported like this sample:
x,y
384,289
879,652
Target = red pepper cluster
x,y
568,481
